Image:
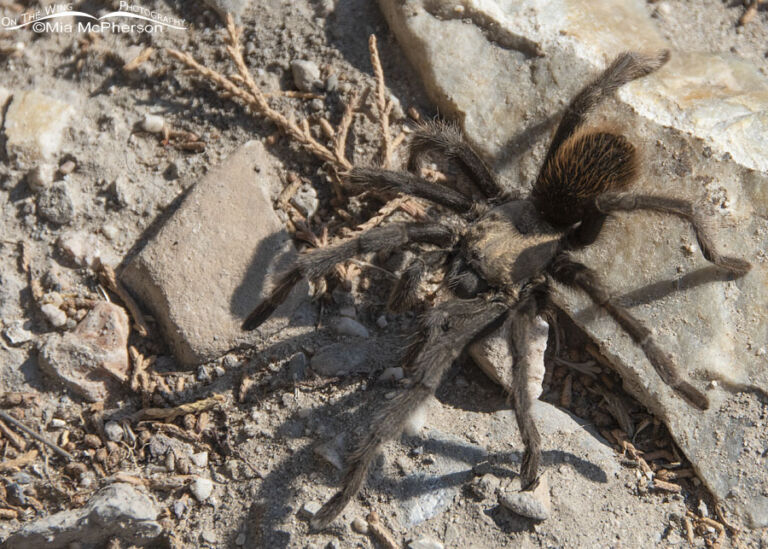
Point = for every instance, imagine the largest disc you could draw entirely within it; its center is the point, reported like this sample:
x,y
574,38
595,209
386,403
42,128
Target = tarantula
x,y
501,259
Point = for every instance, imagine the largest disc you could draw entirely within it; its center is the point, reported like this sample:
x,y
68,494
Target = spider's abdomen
x,y
585,166
510,244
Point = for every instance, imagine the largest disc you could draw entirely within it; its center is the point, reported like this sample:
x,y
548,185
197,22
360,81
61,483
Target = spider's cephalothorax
x,y
501,256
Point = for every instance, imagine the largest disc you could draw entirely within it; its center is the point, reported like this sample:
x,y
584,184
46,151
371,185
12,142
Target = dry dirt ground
x,y
261,440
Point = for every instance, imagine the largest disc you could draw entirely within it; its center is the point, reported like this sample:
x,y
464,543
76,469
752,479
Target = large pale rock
x,y
505,70
119,510
215,259
34,125
92,357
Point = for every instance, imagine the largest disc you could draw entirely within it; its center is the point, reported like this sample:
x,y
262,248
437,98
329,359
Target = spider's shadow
x,y
280,496
659,290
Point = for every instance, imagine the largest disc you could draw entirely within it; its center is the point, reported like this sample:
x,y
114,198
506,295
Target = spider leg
x,y
521,335
414,185
404,295
446,139
322,261
626,67
463,281
446,331
575,274
611,202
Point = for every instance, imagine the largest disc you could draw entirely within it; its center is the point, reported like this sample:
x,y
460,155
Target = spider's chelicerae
x,y
502,253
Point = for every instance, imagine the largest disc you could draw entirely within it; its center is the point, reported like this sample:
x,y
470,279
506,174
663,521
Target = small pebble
x,y
297,366
360,525
240,539
310,509
57,423
348,311
153,123
306,75
67,167
329,451
110,231
202,374
92,441
201,488
391,375
332,83
200,459
55,316
219,370
56,204
16,334
350,327
178,509
40,177
381,322
535,505
425,543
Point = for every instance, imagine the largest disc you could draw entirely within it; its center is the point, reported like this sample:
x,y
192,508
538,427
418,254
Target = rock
x,y
535,505
242,251
16,333
425,543
360,525
297,366
200,459
306,75
701,121
310,509
494,356
153,123
55,316
34,125
201,488
84,249
306,200
350,327
331,451
348,310
222,7
40,177
391,375
240,539
119,510
114,431
121,191
346,358
56,204
89,358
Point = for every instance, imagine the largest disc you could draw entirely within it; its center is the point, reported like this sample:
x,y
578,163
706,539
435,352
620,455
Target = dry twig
x,y
169,414
19,462
19,425
380,532
749,13
109,279
136,62
383,105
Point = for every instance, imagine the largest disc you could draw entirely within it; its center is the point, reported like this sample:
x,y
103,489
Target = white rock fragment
x,y
200,459
55,316
425,543
34,125
40,177
82,248
153,123
201,488
360,525
391,375
310,509
330,451
16,334
57,423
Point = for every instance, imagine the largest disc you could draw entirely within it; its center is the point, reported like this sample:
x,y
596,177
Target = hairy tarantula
x,y
501,259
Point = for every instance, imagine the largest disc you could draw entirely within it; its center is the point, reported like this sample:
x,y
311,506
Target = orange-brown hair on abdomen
x,y
588,164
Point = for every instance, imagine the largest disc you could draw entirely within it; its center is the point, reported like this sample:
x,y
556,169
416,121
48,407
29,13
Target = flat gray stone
x,y
505,70
119,510
215,259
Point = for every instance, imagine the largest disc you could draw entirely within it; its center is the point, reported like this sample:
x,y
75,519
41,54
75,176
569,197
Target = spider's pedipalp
x,y
446,331
626,67
322,261
409,183
612,202
575,274
446,139
587,165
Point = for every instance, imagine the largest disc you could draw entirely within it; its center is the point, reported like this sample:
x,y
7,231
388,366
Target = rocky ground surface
x,y
171,428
